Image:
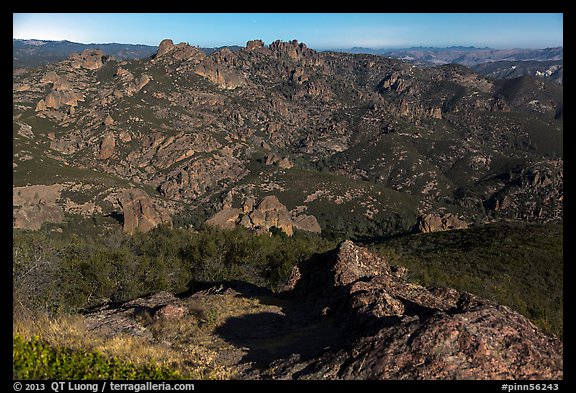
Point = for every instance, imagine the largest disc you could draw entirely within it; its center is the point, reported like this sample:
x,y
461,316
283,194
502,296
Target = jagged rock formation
x,y
401,330
267,213
140,213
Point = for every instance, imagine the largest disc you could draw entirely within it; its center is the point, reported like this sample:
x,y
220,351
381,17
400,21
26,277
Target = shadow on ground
x,y
268,336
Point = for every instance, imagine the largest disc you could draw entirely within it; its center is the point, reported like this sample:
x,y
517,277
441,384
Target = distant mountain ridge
x,y
33,52
468,56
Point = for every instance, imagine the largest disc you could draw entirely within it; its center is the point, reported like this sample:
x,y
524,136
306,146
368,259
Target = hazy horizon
x,y
415,46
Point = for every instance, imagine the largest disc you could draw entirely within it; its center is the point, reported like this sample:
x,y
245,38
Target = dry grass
x,y
192,361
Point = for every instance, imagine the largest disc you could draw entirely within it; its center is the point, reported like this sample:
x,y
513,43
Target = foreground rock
x,y
401,330
345,314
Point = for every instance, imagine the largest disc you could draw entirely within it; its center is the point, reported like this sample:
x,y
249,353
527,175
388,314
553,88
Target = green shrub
x,y
65,272
34,359
516,264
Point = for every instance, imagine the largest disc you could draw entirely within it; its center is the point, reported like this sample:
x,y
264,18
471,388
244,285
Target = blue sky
x,y
318,31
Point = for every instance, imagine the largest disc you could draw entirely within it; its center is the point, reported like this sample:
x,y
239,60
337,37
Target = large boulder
x,y
435,223
400,330
140,212
32,216
306,222
35,205
271,213
107,145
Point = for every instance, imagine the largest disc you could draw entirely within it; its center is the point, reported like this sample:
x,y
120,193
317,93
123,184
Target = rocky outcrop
x,y
58,82
170,53
89,59
295,51
108,120
165,46
226,218
57,99
254,44
195,178
36,205
533,193
140,213
435,223
400,330
306,222
34,215
281,162
107,145
269,212
223,76
130,317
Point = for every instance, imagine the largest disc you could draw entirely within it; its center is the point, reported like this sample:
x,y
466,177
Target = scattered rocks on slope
x,y
140,212
400,330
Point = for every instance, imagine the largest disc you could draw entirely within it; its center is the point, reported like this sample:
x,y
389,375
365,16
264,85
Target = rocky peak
x,y
254,44
295,51
180,52
165,46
